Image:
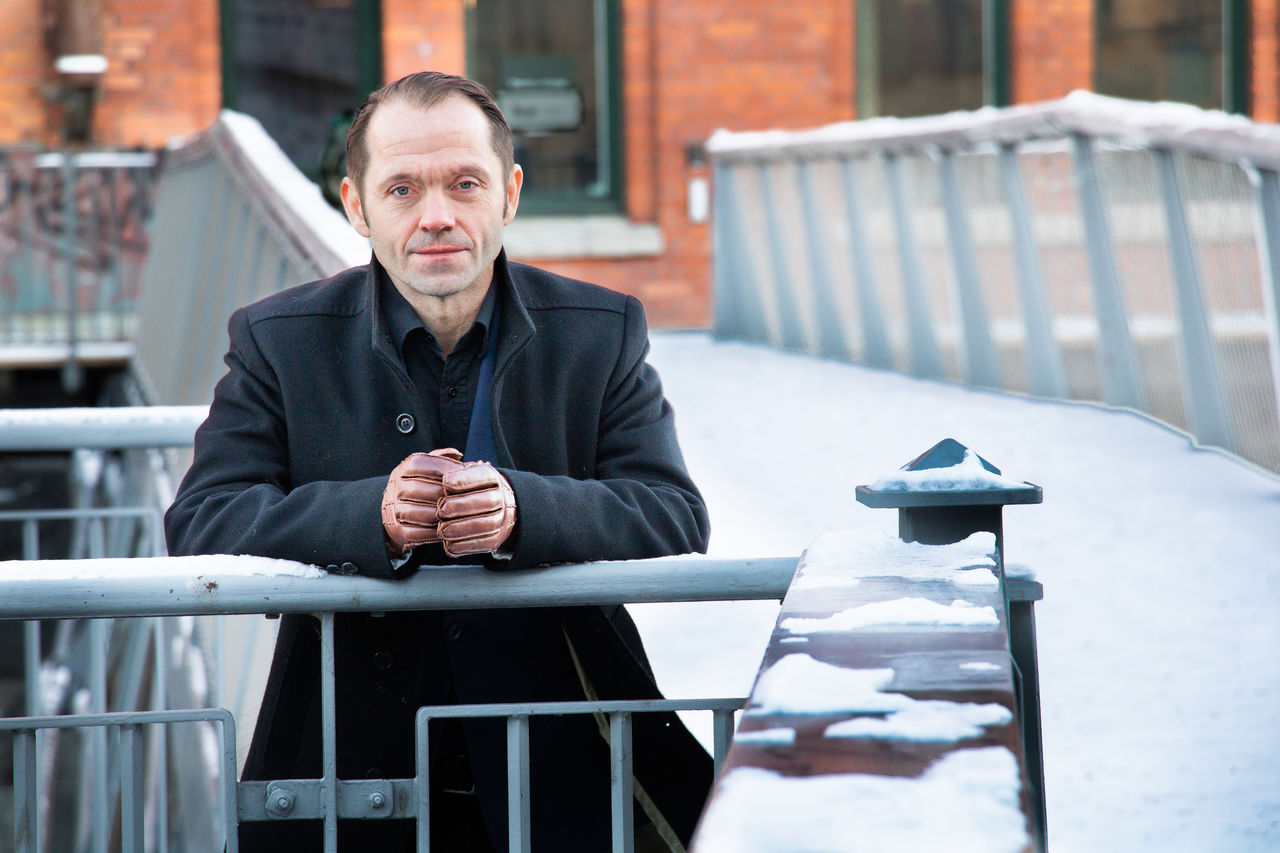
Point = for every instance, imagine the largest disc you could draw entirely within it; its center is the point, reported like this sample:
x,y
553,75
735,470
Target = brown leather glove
x,y
477,512
410,498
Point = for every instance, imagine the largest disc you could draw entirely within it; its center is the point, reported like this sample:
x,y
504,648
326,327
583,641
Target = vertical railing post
x,y
940,516
784,292
71,373
1045,375
875,348
826,313
721,738
739,308
99,633
132,791
621,782
981,363
26,793
1202,385
328,729
1266,188
519,817
422,780
1117,361
926,361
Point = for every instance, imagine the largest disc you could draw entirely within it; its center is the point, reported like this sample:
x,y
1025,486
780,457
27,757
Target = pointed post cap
x,y
947,474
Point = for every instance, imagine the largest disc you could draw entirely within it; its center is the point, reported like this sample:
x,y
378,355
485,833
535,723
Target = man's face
x,y
434,200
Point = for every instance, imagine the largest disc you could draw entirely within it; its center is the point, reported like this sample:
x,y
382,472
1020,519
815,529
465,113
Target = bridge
x,y
883,244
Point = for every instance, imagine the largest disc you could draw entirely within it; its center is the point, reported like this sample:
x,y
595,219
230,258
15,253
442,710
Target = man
x,y
445,403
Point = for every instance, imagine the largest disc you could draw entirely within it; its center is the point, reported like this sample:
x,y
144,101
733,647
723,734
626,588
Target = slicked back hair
x,y
426,89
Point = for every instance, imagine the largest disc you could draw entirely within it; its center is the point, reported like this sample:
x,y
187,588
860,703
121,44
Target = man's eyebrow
x,y
465,167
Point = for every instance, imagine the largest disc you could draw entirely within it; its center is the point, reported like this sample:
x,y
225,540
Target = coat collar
x,y
515,329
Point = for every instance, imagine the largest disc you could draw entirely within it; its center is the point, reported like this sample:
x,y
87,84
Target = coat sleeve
x,y
238,498
641,501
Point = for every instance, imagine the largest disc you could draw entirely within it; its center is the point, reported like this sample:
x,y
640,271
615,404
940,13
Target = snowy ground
x,y
1159,635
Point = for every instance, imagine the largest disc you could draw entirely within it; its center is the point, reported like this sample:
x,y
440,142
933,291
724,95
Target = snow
x,y
924,720
897,612
969,475
1157,635
798,684
301,194
972,796
840,557
153,567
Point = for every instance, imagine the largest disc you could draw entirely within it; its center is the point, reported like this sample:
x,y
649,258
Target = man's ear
x,y
513,193
355,209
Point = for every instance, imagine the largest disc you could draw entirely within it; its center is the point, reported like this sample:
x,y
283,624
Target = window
x,y
920,57
1161,50
551,65
298,66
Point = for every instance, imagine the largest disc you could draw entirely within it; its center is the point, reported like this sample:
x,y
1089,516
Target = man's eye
x,y
467,185
400,191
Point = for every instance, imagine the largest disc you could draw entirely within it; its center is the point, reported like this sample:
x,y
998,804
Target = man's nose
x,y
435,212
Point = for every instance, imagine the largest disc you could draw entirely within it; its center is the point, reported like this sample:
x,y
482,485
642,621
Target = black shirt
x,y
448,385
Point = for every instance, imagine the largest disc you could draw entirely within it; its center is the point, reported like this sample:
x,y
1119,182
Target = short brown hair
x,y
425,89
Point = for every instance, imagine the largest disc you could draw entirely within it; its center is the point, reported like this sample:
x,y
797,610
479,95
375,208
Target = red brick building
x,y
611,99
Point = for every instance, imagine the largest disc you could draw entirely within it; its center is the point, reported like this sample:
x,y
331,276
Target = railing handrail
x,y
1216,135
99,429
179,586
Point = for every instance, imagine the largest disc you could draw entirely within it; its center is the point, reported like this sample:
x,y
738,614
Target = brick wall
x,y
1264,60
422,35
1051,46
23,65
163,76
690,68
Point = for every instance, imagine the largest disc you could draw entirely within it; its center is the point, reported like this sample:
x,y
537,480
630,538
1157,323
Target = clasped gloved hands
x,y
469,507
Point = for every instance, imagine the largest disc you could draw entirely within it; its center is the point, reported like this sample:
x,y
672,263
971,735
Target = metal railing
x,y
72,241
115,671
227,585
1086,248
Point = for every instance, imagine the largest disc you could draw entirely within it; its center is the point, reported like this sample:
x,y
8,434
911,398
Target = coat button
x,y
350,569
332,568
382,660
455,630
405,422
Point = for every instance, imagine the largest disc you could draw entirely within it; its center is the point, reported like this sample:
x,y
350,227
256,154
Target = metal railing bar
x,y
926,360
519,820
99,632
108,428
1044,361
132,797
621,782
876,351
1206,404
159,736
784,294
1266,189
739,303
556,709
422,784
981,364
1117,361
826,313
329,729
180,586
721,737
26,796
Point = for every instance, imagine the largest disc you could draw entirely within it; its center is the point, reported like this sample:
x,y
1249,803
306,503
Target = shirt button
x,y
405,422
455,631
453,391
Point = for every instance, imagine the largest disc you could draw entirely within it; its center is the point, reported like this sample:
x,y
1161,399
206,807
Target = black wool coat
x,y
317,409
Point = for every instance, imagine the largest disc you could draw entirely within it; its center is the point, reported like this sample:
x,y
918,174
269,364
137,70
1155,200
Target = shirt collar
x,y
402,319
